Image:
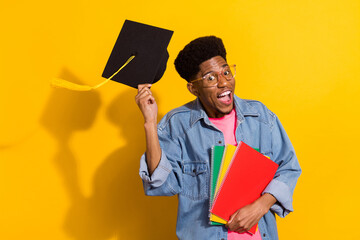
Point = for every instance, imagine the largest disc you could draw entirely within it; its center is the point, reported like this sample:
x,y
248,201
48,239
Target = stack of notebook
x,y
238,177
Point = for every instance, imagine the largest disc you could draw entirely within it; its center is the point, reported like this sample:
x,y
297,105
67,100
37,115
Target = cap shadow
x,y
118,200
117,205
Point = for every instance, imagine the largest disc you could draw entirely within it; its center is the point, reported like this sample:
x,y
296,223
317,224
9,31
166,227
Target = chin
x,y
227,111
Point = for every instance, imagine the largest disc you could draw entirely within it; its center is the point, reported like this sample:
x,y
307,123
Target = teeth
x,y
224,94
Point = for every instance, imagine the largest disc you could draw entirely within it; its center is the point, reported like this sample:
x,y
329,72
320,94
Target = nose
x,y
222,81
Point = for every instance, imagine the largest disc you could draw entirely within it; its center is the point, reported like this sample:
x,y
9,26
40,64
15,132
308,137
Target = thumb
x,y
232,218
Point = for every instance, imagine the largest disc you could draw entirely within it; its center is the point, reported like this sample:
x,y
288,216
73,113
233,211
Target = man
x,y
177,154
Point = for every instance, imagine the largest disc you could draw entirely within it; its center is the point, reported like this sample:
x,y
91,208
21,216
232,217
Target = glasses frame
x,y
218,74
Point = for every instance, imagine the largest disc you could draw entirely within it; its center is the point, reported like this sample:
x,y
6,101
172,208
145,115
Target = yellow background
x,y
69,161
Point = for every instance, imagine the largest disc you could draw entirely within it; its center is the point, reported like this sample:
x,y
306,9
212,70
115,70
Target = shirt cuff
x,y
159,176
282,193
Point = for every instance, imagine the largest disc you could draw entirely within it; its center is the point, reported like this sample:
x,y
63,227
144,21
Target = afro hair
x,y
197,51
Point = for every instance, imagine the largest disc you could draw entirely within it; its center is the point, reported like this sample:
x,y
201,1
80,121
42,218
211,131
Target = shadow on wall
x,y
118,207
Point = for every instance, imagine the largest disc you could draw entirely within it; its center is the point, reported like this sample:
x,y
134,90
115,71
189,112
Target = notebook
x,y
217,153
248,175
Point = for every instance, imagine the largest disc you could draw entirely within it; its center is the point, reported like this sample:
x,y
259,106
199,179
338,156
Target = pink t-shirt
x,y
227,125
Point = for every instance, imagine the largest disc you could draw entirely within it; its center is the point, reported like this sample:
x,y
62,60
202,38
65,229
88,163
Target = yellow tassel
x,y
57,82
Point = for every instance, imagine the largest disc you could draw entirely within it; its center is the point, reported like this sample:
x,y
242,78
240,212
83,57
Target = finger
x,y
145,92
149,99
145,89
232,225
240,230
237,229
141,86
232,218
146,100
152,99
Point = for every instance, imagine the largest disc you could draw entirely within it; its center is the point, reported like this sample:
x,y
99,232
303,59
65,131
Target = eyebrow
x,y
224,65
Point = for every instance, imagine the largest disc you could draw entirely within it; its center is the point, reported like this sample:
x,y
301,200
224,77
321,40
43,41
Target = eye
x,y
227,72
210,78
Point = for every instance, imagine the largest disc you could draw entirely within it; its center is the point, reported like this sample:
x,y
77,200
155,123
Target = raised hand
x,y
147,104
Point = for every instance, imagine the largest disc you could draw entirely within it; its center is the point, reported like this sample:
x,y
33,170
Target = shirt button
x,y
264,235
194,170
220,142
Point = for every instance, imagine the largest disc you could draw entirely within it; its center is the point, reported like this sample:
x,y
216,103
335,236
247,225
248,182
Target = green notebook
x,y
217,153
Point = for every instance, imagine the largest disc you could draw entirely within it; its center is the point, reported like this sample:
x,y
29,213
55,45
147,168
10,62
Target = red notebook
x,y
248,175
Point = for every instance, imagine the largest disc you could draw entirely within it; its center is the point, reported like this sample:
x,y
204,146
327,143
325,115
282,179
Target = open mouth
x,y
225,97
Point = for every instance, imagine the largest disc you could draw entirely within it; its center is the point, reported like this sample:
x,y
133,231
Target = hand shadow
x,y
118,207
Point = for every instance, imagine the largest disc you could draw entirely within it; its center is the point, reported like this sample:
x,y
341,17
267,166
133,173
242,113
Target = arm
x,y
160,172
148,107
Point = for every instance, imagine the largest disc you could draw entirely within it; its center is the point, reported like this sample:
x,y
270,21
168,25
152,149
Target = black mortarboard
x,y
149,46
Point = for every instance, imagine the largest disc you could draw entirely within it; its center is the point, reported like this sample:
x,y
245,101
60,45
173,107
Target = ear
x,y
193,89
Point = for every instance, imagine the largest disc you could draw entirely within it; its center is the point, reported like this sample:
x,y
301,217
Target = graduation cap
x,y
139,56
149,46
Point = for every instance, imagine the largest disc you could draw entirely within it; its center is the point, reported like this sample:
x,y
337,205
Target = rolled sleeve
x,y
283,195
161,173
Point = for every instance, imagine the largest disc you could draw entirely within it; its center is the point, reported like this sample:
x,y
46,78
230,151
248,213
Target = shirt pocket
x,y
196,180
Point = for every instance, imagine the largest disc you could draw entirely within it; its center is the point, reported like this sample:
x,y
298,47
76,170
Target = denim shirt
x,y
186,136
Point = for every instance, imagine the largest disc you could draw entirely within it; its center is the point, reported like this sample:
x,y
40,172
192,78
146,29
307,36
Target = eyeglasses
x,y
212,79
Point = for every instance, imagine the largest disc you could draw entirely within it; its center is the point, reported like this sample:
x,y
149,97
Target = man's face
x,y
217,100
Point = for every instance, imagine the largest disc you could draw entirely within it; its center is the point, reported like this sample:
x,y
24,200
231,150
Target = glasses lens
x,y
210,79
229,72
